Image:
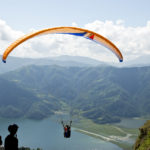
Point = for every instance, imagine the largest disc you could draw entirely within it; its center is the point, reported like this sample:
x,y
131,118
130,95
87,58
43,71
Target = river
x,y
48,135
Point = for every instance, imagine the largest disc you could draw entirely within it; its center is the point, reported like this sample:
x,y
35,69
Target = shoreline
x,y
94,134
105,138
121,141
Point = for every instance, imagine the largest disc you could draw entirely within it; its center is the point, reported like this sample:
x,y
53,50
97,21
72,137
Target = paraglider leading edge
x,y
66,30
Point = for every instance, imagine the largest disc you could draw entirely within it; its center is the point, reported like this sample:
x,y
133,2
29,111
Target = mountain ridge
x,y
14,63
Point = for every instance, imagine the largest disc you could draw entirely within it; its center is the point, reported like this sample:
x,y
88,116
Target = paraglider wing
x,y
67,30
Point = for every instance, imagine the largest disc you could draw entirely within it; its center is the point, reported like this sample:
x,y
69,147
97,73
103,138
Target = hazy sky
x,y
25,14
124,22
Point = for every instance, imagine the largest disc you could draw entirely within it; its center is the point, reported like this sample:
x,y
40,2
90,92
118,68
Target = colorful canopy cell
x,y
66,30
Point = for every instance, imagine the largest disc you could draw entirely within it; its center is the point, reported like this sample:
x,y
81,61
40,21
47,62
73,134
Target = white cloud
x,y
7,35
132,41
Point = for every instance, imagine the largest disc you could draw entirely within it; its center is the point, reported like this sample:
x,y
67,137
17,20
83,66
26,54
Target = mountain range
x,y
99,92
14,63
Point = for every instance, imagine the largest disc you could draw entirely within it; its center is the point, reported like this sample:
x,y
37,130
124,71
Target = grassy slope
x,y
143,140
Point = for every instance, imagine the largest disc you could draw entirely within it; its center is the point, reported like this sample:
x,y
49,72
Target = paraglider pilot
x,y
67,129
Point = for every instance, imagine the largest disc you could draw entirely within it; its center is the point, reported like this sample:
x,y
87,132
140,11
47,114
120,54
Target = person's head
x,y
13,129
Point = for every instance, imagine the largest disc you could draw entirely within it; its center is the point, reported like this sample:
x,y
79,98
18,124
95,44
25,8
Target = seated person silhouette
x,y
11,141
67,130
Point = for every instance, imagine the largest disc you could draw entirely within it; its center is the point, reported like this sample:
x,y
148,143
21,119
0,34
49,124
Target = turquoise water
x,y
48,135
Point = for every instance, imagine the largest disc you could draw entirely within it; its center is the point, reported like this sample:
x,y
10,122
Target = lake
x,y
48,135
131,122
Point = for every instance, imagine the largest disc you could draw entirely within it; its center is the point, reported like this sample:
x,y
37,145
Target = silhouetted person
x,y
1,141
67,130
11,141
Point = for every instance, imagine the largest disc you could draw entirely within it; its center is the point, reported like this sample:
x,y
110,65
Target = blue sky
x,y
125,22
26,14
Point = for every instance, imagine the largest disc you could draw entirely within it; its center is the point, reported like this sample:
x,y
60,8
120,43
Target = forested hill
x,y
103,94
16,101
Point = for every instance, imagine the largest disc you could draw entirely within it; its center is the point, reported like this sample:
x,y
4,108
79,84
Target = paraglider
x,y
66,30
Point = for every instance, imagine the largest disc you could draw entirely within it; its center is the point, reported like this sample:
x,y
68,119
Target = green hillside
x,y
143,140
103,94
17,101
